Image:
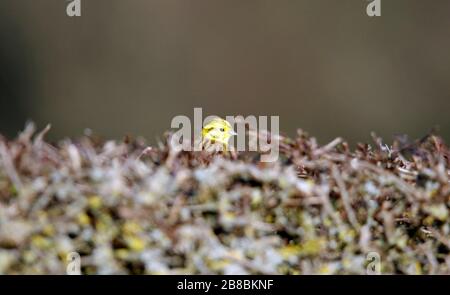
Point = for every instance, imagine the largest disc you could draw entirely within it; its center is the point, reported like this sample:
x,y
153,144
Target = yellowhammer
x,y
216,134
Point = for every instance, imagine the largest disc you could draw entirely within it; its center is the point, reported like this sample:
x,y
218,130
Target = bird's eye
x,y
222,129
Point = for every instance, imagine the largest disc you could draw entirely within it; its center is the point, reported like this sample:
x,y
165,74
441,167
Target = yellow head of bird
x,y
218,130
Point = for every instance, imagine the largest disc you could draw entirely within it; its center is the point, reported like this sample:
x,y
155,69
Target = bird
x,y
216,134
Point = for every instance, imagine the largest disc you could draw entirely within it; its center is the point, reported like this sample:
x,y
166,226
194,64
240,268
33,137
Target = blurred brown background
x,y
129,67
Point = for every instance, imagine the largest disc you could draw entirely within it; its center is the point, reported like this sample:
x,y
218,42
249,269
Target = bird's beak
x,y
232,132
